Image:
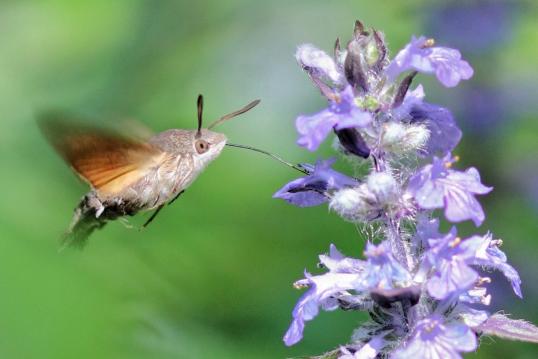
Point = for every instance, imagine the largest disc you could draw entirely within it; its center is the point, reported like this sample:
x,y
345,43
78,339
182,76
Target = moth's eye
x,y
201,146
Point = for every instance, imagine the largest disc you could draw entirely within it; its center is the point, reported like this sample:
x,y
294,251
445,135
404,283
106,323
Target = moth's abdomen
x,y
163,184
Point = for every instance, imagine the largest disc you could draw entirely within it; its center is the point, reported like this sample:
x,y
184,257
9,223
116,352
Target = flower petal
x,y
445,62
297,193
314,129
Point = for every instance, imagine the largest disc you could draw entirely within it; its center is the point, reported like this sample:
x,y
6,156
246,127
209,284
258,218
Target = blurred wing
x,y
107,161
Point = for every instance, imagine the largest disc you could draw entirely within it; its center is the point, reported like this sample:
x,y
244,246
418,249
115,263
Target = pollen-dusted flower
x,y
421,55
342,113
313,189
438,186
433,338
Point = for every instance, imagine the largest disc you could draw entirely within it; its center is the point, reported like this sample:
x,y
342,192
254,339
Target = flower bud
x,y
383,186
352,141
393,134
354,204
400,137
416,136
318,64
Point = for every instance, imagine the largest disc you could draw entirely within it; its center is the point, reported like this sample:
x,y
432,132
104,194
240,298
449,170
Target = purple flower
x,y
489,255
344,275
312,190
438,186
322,288
342,113
444,132
419,55
433,338
382,270
450,260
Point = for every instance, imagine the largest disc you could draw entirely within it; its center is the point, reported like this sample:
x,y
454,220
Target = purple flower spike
x,y
322,288
424,290
452,273
419,55
434,339
438,186
311,190
342,113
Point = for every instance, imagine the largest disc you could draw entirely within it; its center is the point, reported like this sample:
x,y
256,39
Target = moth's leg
x,y
153,215
176,197
125,222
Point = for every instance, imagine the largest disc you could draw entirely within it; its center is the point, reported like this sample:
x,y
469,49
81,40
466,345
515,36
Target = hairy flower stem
x,y
397,244
399,247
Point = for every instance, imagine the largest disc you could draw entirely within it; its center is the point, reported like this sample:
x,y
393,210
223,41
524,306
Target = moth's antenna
x,y
278,158
234,114
200,106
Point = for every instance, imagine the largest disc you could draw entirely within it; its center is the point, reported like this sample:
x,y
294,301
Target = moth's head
x,y
207,144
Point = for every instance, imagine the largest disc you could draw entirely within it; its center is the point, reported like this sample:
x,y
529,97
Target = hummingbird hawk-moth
x,y
129,175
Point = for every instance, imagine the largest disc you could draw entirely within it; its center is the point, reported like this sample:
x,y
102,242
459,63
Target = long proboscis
x,y
273,156
234,114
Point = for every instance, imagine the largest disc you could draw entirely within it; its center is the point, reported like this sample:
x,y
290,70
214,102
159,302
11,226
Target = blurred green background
x,y
211,277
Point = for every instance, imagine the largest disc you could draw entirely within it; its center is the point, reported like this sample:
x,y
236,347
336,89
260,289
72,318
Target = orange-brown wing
x,y
107,161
